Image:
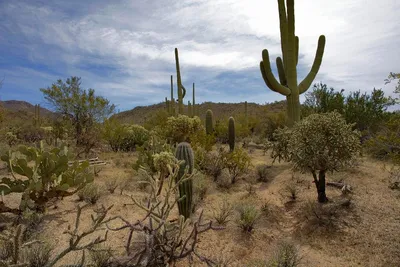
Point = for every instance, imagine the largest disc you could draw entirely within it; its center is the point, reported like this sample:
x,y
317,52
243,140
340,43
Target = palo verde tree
x,y
81,106
318,144
287,65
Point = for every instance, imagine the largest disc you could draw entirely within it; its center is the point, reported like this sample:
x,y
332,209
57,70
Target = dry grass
x,y
365,233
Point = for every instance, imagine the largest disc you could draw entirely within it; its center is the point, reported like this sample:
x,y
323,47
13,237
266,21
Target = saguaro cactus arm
x,y
306,83
270,78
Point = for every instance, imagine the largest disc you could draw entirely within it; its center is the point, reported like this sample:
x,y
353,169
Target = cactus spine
x,y
185,152
231,134
209,122
288,85
181,88
194,102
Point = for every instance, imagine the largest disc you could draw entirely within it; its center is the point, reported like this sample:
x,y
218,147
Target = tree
x,y
321,100
394,76
367,111
318,144
82,107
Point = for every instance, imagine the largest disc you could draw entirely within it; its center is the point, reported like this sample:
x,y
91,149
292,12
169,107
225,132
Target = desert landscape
x,y
309,181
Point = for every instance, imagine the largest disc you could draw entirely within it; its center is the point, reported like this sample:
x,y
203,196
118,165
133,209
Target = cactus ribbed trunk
x,y
184,152
209,122
231,134
194,102
181,88
288,84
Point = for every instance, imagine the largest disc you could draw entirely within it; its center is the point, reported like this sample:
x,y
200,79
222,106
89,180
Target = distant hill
x,y
17,112
139,115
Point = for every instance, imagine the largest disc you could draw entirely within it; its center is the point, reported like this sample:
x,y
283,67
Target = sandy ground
x,y
364,234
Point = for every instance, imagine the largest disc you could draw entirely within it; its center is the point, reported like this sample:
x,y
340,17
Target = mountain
x,y
139,115
17,112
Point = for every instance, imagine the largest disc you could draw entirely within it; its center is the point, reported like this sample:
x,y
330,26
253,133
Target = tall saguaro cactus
x,y
37,116
172,104
194,102
181,88
288,85
209,122
231,134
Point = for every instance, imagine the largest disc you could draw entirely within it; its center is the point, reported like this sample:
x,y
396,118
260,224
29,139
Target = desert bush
x,y
47,176
90,193
114,133
200,158
215,163
248,215
262,172
385,144
200,184
182,128
38,255
223,212
30,134
286,254
237,163
111,185
270,123
156,144
291,191
221,131
318,144
100,256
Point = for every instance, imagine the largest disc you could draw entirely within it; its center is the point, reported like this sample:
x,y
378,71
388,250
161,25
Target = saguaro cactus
x,y
231,134
172,104
287,71
246,117
209,122
185,152
190,109
37,116
181,88
194,103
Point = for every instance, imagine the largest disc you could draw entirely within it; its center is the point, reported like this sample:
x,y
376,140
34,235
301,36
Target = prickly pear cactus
x,y
184,152
47,175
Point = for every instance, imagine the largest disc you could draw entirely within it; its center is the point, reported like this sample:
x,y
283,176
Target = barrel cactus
x,y
184,152
209,122
231,134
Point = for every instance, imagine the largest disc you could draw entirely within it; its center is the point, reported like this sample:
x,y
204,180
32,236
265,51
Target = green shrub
x,y
182,128
285,255
90,193
237,163
262,172
248,215
223,213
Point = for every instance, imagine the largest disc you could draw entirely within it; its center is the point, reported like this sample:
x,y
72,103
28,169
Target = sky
x,y
124,49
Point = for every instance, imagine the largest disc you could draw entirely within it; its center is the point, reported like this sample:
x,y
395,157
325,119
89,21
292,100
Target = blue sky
x,y
125,49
